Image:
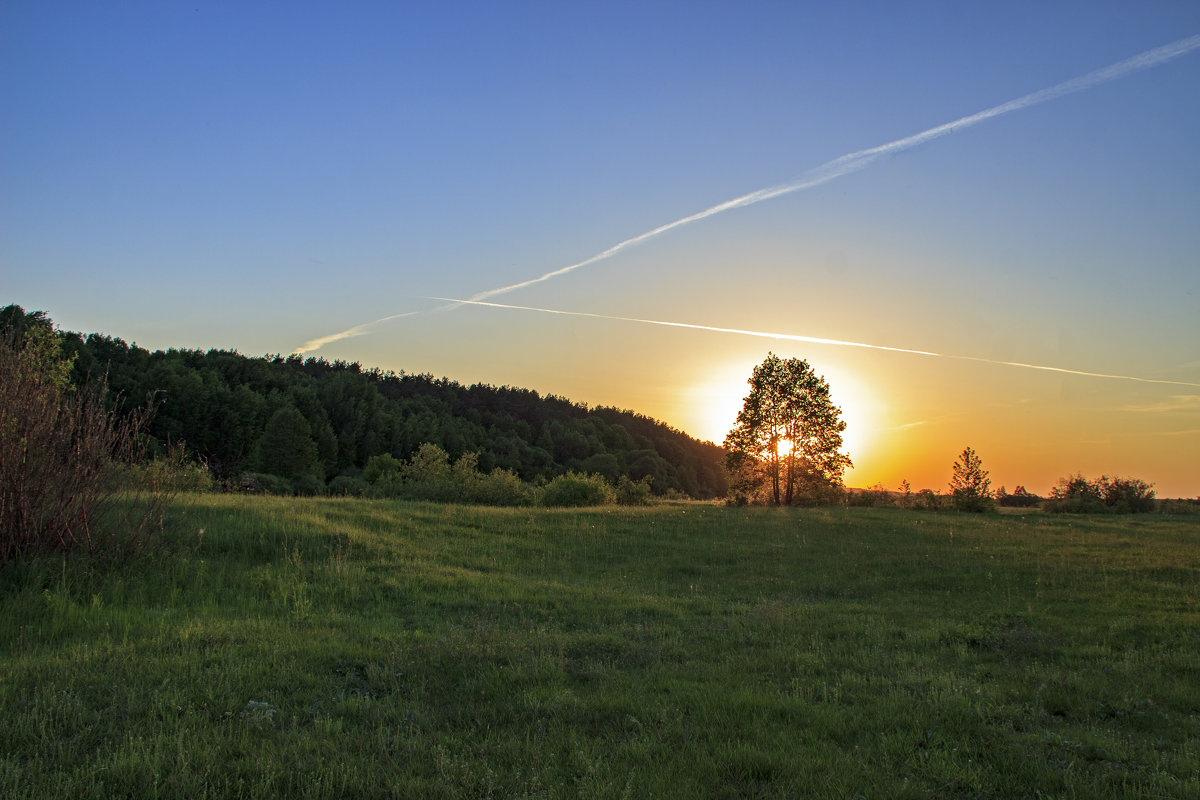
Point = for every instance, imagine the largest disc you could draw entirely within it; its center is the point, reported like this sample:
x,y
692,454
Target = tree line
x,y
309,421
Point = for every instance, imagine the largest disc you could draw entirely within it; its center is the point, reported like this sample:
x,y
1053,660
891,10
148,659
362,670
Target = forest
x,y
234,413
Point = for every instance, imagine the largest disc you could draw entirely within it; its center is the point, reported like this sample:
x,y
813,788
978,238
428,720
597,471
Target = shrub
x,y
928,500
634,493
1020,498
1126,495
500,487
264,483
348,486
382,467
1075,494
172,469
575,489
62,453
309,485
429,475
1179,506
874,497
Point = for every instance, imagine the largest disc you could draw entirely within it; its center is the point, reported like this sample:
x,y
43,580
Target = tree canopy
x,y
786,444
244,414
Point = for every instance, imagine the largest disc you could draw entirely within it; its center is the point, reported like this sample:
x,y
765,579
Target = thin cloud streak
x,y
1178,402
816,340
349,333
853,162
831,170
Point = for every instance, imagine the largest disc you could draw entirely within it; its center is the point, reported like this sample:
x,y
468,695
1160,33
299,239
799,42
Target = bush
x,y
1126,495
875,497
500,487
634,493
1020,498
1075,494
575,490
384,466
309,485
264,483
429,475
1179,506
927,500
348,486
62,454
172,470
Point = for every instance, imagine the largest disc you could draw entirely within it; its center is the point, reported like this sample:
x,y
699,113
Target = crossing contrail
x,y
791,337
831,170
853,162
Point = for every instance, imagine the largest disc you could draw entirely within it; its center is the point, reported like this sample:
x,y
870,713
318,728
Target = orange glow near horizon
x,y
713,406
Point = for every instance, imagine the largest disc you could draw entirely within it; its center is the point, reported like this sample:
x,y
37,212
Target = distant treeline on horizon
x,y
217,404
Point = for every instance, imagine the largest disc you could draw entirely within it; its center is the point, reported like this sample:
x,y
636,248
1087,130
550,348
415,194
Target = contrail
x,y
852,162
791,337
357,330
831,170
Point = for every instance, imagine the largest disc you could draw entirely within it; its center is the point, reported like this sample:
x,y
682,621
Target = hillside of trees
x,y
238,413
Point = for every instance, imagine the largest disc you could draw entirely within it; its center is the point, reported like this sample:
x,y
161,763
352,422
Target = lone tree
x,y
788,434
970,485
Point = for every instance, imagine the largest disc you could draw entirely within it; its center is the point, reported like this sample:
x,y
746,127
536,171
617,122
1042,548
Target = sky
x,y
275,177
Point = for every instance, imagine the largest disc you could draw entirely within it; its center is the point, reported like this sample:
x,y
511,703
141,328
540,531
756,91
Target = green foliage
x,y
500,487
970,486
430,475
219,403
574,490
788,408
64,457
1075,494
875,497
172,469
287,449
264,483
348,486
1179,506
1127,495
634,493
1020,498
383,467
928,500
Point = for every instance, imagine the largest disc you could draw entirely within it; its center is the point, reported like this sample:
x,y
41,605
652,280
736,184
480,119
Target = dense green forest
x,y
231,411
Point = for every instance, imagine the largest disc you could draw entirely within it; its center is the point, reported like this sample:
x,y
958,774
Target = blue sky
x,y
257,175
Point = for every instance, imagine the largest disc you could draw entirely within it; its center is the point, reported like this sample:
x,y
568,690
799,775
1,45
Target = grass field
x,y
326,648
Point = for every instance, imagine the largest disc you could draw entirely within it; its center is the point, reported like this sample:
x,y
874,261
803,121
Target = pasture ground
x,y
350,648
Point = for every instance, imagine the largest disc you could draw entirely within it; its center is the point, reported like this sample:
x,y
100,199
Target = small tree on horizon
x,y
970,485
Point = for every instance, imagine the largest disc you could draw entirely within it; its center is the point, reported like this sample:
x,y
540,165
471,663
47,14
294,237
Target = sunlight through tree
x,y
787,439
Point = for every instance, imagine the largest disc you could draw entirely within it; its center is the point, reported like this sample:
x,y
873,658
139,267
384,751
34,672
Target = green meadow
x,y
353,648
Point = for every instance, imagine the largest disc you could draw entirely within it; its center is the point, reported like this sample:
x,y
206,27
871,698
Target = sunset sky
x,y
270,177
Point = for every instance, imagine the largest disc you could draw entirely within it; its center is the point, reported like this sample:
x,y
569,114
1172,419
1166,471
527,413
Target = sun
x,y
861,410
713,406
